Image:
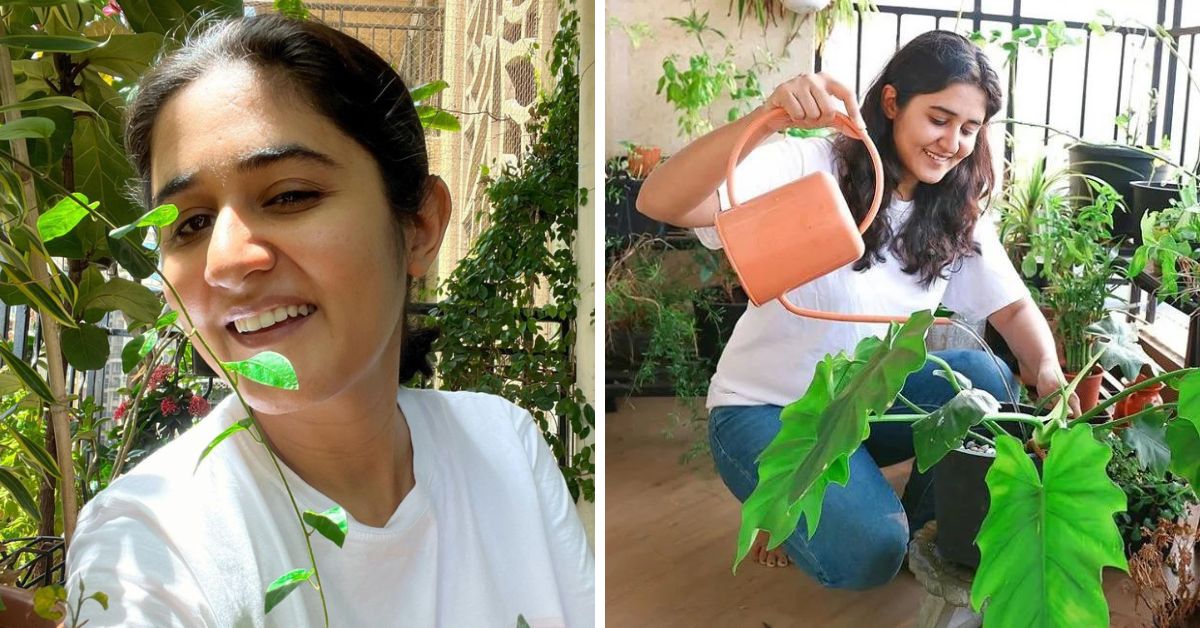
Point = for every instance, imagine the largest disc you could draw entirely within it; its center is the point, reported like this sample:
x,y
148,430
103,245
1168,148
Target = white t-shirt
x,y
772,354
488,533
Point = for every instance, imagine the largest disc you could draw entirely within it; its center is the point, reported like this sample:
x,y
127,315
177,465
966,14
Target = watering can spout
x,y
804,230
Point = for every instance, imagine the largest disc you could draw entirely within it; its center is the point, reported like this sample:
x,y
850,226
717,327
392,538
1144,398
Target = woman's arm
x,y
682,190
1028,335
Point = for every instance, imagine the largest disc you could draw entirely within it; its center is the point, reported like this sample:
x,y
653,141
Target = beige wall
x,y
632,110
585,243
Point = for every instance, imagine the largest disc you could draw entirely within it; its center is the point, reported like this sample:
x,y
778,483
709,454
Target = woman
x,y
929,244
298,163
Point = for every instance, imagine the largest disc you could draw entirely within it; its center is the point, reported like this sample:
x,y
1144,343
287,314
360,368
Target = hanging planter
x,y
804,7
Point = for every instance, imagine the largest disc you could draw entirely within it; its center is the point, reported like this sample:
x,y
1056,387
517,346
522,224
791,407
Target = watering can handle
x,y
846,127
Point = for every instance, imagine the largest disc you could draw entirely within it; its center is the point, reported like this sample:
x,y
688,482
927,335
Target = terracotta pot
x,y
643,159
18,610
1088,390
1139,400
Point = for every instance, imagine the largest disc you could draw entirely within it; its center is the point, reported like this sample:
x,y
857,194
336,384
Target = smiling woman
x,y
298,163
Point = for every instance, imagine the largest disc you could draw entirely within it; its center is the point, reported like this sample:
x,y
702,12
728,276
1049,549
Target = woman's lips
x,y
271,335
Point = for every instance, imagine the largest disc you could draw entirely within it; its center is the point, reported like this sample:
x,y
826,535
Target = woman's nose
x,y
236,249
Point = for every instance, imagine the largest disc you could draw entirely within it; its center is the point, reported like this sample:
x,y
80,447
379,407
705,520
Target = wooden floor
x,y
670,537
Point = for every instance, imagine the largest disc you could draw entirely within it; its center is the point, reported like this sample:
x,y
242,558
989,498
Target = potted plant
x,y
1047,534
643,159
693,87
718,304
827,14
622,220
1168,248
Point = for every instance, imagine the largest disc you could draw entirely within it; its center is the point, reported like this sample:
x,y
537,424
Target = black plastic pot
x,y
715,319
1119,166
961,496
1149,196
621,217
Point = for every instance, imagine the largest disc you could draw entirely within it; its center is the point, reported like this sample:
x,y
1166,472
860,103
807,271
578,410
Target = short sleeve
x,y
147,584
771,165
574,564
982,284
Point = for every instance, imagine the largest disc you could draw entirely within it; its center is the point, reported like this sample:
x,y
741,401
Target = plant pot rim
x,y
1111,148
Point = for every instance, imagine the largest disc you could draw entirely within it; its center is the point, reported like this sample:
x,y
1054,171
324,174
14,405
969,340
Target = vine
x,y
507,322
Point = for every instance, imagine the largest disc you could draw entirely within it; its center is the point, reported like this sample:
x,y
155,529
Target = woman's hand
x,y
1049,379
809,101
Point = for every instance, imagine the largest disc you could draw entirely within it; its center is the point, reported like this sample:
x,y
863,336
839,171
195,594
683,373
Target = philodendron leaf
x,y
283,586
59,220
1147,436
1183,437
944,429
242,425
269,368
1122,348
331,523
820,431
1046,540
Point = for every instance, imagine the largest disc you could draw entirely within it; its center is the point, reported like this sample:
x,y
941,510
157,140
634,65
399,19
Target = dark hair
x,y
944,214
340,78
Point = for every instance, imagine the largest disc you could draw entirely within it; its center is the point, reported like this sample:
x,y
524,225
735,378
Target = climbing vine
x,y
508,321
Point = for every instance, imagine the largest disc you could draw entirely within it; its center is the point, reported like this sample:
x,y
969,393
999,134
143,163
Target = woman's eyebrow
x,y
954,114
254,160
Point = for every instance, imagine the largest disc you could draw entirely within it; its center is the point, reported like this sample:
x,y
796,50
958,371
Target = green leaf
x,y
49,43
331,523
268,368
283,586
521,622
441,120
139,261
821,430
242,425
86,347
137,348
166,320
175,17
138,302
1045,541
1122,347
32,380
102,170
62,218
125,55
425,92
20,494
66,102
36,453
27,128
160,216
46,602
944,429
1147,436
101,598
1183,437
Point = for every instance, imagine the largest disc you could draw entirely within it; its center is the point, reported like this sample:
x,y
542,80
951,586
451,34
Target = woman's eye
x,y
293,197
938,122
192,226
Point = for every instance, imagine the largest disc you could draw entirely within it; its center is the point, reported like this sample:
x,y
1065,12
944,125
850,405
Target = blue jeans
x,y
864,530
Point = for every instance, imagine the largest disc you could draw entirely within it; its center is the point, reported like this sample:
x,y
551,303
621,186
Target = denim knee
x,y
984,372
874,558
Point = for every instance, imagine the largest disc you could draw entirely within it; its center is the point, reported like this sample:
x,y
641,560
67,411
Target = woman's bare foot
x,y
771,558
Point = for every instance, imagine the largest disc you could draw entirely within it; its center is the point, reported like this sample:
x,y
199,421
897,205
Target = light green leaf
x,y
440,120
1183,437
59,220
166,320
48,43
27,128
20,494
125,55
137,348
102,170
36,452
283,586
1045,541
1147,436
66,102
944,429
242,425
46,602
428,90
86,347
100,597
269,368
331,523
821,430
32,380
160,216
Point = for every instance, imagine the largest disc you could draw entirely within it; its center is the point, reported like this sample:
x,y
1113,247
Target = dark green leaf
x,y
242,425
102,170
66,102
124,55
283,586
521,622
139,261
137,348
36,453
32,380
62,218
86,347
175,17
138,302
331,523
48,43
944,429
26,128
268,368
1147,435
17,489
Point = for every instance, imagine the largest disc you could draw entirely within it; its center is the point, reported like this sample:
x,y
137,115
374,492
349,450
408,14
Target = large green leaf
x,y
174,17
269,368
85,347
820,431
428,90
1045,541
1147,436
102,170
139,261
138,302
66,102
26,128
160,216
283,586
126,56
48,43
944,429
62,218
1122,347
1183,437
20,493
32,380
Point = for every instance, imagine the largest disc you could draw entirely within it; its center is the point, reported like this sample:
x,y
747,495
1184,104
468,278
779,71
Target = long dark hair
x,y
940,229
340,78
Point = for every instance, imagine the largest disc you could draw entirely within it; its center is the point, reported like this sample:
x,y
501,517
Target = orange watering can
x,y
799,232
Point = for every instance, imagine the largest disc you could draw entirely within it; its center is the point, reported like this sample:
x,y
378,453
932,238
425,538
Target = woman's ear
x,y
888,101
428,227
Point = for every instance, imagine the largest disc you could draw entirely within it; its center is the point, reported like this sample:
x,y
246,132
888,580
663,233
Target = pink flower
x,y
161,373
111,9
198,406
168,406
122,408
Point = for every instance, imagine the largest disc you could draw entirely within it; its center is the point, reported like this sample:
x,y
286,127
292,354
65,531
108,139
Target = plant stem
x,y
131,421
1104,405
1129,419
911,406
981,437
950,375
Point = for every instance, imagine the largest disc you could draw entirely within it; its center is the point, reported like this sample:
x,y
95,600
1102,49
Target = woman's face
x,y
285,241
934,132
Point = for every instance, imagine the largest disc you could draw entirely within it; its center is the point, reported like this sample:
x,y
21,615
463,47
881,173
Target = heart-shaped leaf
x,y
59,220
1046,540
242,425
283,586
85,347
1147,436
944,429
1183,437
269,368
820,431
331,523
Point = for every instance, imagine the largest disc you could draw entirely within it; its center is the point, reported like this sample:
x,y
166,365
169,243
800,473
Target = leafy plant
x,y
1171,241
499,333
1046,535
1044,40
1023,206
1153,492
693,88
768,12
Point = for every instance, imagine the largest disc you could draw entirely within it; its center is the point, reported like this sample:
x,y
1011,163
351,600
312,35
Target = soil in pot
x,y
961,495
